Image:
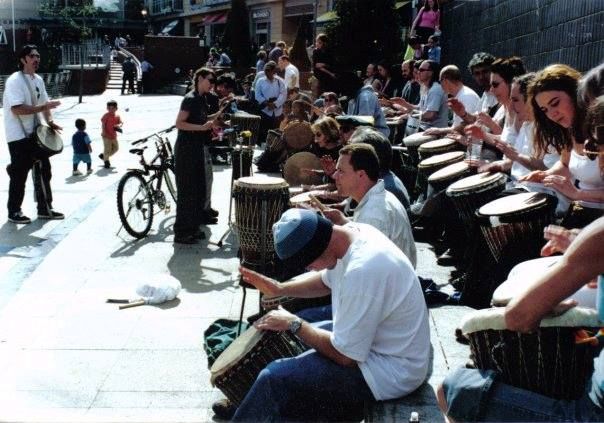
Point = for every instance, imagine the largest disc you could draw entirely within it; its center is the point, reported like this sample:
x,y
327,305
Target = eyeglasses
x,y
495,84
33,55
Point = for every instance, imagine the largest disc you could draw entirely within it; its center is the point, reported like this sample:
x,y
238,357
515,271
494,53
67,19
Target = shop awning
x,y
400,4
327,17
169,27
214,18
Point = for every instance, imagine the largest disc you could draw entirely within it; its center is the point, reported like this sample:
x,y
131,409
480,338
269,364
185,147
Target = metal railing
x,y
56,83
91,54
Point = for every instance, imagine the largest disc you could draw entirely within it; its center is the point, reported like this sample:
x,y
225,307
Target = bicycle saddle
x,y
138,151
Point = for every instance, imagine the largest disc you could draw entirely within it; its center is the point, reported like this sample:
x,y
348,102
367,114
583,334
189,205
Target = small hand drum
x,y
293,169
48,141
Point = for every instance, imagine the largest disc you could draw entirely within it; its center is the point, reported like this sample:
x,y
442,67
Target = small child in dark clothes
x,y
81,148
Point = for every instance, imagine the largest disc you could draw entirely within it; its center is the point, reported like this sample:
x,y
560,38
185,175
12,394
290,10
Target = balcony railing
x,y
162,7
90,53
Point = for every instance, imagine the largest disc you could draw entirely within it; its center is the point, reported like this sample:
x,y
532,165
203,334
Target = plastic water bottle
x,y
414,417
474,151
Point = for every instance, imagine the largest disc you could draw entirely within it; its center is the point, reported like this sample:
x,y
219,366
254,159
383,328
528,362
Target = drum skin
x,y
444,177
468,194
48,142
293,173
236,369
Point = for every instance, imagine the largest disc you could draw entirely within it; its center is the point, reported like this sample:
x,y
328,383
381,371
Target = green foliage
x,y
365,31
237,39
75,17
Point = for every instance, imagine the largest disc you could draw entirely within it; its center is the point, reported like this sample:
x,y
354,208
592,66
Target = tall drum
x,y
247,122
242,161
513,225
547,361
441,179
468,194
259,203
440,146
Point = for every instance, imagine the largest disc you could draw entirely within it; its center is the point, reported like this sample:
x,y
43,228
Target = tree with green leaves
x,y
237,39
365,31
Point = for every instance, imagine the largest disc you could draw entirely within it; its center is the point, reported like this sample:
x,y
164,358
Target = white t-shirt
x,y
292,76
16,93
380,317
524,145
487,100
381,209
468,97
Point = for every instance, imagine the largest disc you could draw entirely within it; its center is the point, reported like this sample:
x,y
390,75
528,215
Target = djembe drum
x,y
298,136
468,194
247,122
259,203
294,173
440,146
442,178
519,281
513,225
413,141
236,369
47,142
434,163
274,141
547,361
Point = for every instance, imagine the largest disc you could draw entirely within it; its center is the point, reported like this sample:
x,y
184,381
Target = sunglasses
x,y
33,55
495,84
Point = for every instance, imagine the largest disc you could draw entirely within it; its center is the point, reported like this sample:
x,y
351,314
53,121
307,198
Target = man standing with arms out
x,y
376,348
271,93
356,176
24,97
452,85
292,75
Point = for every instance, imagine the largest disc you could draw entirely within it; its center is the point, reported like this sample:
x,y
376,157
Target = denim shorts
x,y
475,395
77,158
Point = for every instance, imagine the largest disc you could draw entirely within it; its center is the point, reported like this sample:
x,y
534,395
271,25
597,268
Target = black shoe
x,y
107,164
101,156
51,215
224,409
212,212
19,217
186,239
446,259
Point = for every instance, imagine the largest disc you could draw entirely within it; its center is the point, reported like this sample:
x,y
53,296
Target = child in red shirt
x,y
111,124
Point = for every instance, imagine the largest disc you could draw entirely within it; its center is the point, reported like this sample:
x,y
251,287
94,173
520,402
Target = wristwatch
x,y
295,325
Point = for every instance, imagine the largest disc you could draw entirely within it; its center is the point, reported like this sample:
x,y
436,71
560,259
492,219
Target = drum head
x,y
475,182
415,140
304,198
49,139
437,144
440,159
238,348
261,182
449,172
513,204
292,171
298,135
293,191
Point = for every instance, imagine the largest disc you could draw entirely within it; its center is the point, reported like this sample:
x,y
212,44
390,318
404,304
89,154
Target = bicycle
x,y
139,190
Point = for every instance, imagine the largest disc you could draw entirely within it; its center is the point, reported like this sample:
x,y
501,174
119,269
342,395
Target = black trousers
x,y
267,122
22,158
189,170
130,80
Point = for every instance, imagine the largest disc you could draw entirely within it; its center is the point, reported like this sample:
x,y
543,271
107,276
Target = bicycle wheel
x,y
170,179
135,205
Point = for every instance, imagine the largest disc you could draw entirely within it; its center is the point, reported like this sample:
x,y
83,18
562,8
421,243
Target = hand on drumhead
x,y
276,320
263,283
563,307
534,176
55,127
561,184
476,163
559,239
490,167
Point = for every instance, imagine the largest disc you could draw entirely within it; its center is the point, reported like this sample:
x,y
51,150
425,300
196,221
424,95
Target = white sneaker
x,y
76,173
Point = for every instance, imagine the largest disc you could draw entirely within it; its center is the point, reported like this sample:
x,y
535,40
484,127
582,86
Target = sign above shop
x,y
214,2
261,14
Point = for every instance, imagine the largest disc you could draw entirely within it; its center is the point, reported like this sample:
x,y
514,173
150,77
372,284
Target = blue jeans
x,y
306,388
475,395
315,314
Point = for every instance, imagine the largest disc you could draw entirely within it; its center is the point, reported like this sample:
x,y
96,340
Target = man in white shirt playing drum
x,y
356,176
452,84
24,98
377,346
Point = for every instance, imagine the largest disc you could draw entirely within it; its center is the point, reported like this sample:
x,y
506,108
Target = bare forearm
x,y
307,285
25,109
320,340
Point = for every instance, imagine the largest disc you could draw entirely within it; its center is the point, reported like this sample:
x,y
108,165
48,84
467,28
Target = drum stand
x,y
230,223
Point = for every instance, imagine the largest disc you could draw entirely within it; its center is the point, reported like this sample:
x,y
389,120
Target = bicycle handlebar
x,y
156,134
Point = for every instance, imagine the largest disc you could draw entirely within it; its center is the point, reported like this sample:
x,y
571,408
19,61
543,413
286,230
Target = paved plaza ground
x,y
68,356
